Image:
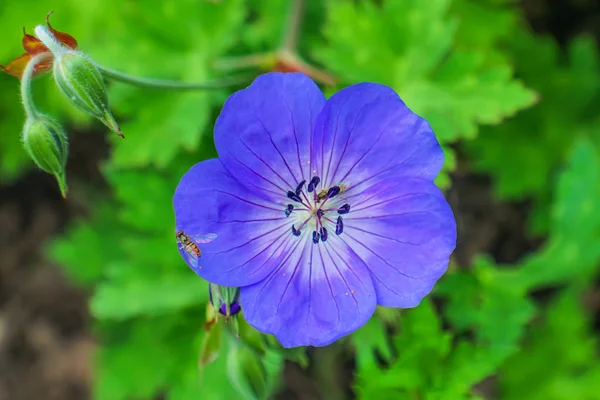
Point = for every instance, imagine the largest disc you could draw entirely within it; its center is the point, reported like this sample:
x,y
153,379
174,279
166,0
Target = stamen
x,y
289,209
320,213
323,234
345,209
295,232
339,226
316,237
313,183
299,188
293,196
333,191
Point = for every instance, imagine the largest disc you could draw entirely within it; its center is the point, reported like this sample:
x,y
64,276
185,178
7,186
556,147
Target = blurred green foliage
x,y
522,110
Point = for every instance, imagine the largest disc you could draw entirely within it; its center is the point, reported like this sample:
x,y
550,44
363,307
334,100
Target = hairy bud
x,y
79,79
46,143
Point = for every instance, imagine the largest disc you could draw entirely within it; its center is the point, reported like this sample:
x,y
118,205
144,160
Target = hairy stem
x,y
49,40
166,84
245,61
26,80
290,38
327,371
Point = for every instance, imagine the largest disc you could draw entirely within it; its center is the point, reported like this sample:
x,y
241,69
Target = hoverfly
x,y
189,244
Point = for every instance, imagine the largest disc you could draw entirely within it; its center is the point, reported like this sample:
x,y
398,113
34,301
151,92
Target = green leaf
x,y
477,299
121,300
145,357
538,140
371,338
501,18
558,360
421,347
454,89
158,124
85,250
573,250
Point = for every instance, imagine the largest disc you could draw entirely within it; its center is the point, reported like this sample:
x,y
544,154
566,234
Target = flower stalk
x,y
283,59
166,84
26,93
294,19
43,138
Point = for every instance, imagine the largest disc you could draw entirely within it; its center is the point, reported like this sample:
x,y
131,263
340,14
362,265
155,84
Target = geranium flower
x,y
322,209
33,46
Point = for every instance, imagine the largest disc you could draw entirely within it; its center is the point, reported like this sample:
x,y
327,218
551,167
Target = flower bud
x,y
47,144
247,372
225,299
80,80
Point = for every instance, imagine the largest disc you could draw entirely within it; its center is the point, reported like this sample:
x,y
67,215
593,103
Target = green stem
x,y
290,38
26,93
246,61
49,40
170,84
327,369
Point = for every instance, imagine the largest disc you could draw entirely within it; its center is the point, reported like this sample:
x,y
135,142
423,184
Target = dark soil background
x,y
45,339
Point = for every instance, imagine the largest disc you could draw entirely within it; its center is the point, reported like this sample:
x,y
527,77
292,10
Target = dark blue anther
x,y
323,234
333,191
345,209
299,188
234,308
289,209
316,237
295,232
320,213
339,226
292,196
313,183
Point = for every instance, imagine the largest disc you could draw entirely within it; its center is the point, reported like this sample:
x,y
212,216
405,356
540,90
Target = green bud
x,y
225,299
80,80
247,372
46,143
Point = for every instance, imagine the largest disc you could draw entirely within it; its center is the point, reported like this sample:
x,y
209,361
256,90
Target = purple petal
x,y
404,230
317,295
263,135
365,130
252,232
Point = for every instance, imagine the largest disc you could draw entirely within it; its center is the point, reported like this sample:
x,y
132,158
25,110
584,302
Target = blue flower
x,y
320,209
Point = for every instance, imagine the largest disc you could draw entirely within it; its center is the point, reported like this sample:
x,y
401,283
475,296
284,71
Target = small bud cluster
x,y
253,359
78,79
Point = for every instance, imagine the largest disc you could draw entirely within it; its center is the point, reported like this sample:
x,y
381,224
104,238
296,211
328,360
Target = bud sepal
x,y
225,299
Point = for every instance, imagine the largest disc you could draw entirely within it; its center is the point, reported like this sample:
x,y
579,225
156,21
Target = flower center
x,y
317,211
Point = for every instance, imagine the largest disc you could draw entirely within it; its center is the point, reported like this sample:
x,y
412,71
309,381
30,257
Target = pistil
x,y
316,208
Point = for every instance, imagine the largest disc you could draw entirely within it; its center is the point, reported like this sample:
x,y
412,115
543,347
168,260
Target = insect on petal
x,y
204,238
